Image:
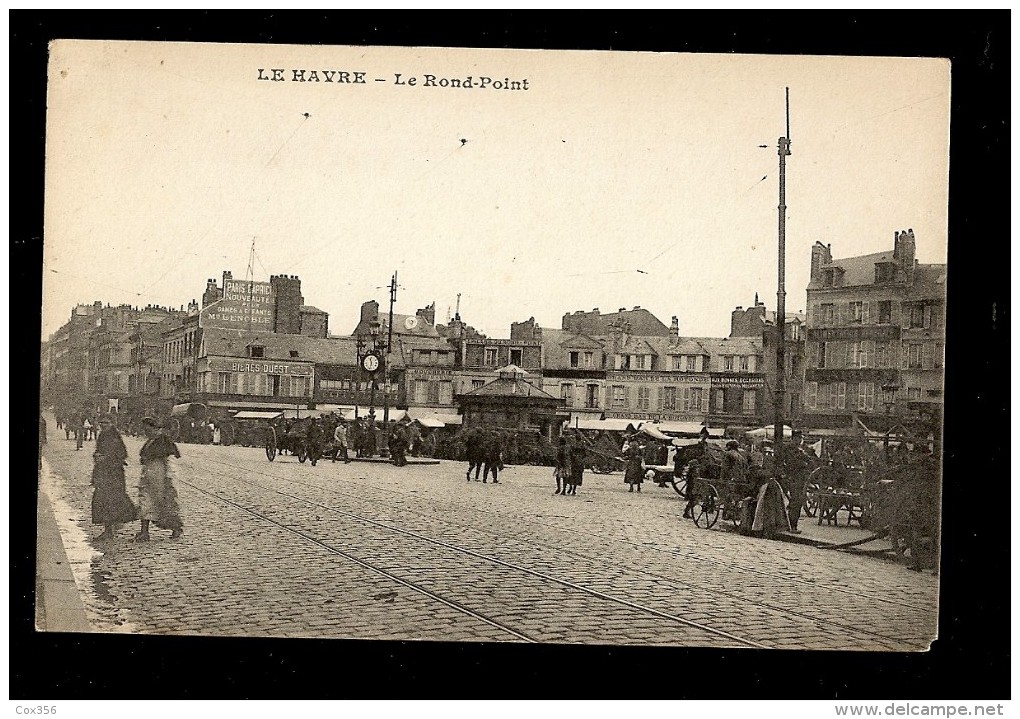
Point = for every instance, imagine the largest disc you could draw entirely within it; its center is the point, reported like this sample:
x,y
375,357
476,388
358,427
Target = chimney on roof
x,y
820,255
674,328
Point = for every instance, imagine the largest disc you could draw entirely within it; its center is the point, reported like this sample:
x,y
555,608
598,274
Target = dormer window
x,y
256,351
827,276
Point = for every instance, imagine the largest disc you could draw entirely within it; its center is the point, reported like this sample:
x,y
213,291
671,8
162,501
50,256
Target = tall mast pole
x,y
386,371
780,394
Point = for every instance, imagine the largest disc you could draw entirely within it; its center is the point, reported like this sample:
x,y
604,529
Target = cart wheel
x,y
811,500
680,483
270,452
705,511
302,454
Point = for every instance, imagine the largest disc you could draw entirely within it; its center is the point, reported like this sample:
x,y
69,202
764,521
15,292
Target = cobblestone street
x,y
373,551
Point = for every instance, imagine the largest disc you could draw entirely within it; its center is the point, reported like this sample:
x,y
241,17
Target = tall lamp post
x,y
358,374
780,394
373,329
384,449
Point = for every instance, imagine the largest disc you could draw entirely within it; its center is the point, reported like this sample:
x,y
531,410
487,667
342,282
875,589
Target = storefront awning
x,y
430,422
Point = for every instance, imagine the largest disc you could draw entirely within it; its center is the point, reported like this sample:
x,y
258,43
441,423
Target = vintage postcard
x,y
434,344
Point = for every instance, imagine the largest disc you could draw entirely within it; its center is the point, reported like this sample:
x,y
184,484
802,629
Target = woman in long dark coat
x,y
634,475
577,459
110,503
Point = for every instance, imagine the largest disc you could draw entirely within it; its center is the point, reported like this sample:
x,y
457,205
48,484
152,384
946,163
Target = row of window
x,y
433,392
491,357
177,350
263,385
920,315
872,354
853,396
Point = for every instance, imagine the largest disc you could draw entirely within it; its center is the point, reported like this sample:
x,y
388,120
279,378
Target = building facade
x,y
875,338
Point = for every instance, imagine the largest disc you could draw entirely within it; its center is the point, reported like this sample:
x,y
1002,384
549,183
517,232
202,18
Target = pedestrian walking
x,y
632,454
111,505
473,446
314,441
157,497
795,474
87,427
79,432
562,467
399,441
340,442
577,460
493,457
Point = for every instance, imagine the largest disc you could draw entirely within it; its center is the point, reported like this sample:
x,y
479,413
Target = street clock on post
x,y
410,323
370,362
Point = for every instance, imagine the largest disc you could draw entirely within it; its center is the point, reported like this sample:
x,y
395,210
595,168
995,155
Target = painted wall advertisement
x,y
245,305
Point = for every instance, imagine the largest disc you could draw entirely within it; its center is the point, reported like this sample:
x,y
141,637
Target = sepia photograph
x,y
493,346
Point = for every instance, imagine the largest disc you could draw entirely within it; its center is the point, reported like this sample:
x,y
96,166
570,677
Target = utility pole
x,y
780,394
384,451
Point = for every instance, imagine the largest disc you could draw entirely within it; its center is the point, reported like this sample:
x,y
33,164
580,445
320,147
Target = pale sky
x,y
165,160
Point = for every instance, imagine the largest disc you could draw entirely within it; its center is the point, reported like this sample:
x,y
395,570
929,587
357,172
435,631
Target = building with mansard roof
x,y
875,339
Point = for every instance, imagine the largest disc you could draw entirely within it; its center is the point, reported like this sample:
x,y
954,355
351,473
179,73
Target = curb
x,y
58,604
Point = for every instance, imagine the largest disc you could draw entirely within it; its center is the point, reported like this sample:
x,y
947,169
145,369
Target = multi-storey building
x,y
757,322
875,338
103,356
656,377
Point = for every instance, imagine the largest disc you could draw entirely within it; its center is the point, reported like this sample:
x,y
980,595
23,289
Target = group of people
x,y
571,456
484,450
157,496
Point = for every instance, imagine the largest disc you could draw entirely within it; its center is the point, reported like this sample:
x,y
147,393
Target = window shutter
x,y
866,313
928,356
626,396
704,401
906,355
662,397
927,316
812,354
841,401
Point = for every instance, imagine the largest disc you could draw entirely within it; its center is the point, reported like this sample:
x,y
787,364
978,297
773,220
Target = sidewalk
x,y
58,605
829,536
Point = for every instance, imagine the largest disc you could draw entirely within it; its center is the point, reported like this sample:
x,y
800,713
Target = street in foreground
x,y
372,551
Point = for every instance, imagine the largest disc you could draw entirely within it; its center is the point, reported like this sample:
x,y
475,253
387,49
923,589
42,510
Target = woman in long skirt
x,y
110,502
157,498
634,475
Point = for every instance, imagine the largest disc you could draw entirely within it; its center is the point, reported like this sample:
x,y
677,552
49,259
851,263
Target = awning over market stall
x,y
430,422
195,410
252,414
606,425
652,431
769,431
691,428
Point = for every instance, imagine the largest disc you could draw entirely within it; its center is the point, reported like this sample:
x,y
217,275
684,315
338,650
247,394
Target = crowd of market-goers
x,y
776,499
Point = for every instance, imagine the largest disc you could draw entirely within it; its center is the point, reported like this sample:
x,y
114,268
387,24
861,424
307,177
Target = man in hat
x,y
398,443
340,442
795,476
